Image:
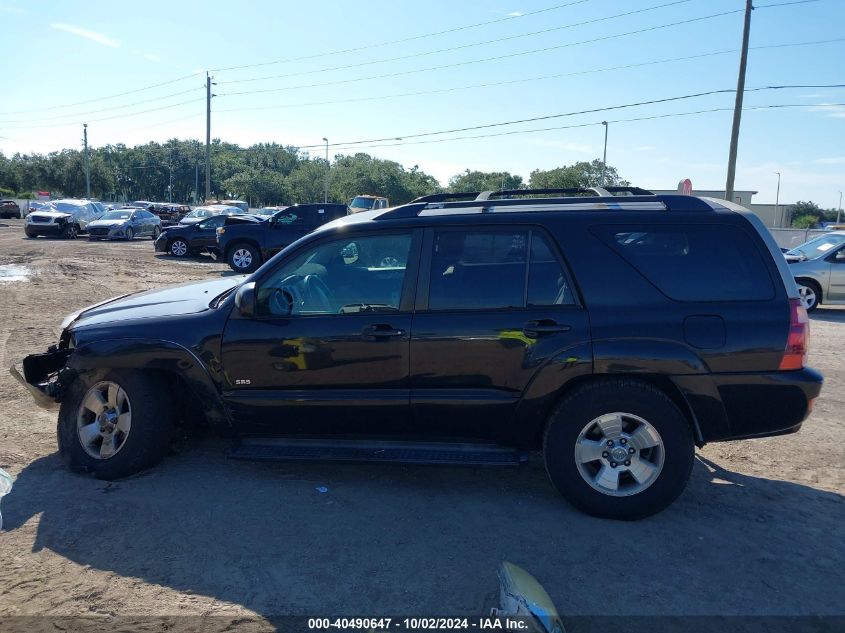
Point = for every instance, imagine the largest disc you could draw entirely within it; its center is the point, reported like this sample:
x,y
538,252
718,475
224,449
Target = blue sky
x,y
58,53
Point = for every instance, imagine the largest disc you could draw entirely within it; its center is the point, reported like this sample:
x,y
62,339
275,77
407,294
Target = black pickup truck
x,y
248,241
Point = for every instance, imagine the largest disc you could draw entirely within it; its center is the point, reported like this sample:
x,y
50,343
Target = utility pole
x,y
604,158
740,90
208,96
326,196
87,161
777,201
196,181
839,212
170,186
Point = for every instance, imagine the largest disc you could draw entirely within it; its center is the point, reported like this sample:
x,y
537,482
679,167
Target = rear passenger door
x,y
493,305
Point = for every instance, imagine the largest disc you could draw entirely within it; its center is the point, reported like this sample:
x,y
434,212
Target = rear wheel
x,y
619,449
810,294
156,232
179,248
115,423
243,258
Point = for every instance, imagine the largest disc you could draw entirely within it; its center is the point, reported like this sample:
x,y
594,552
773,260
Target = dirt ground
x,y
759,530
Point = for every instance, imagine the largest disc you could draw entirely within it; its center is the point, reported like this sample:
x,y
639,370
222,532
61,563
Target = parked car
x,y
266,212
613,333
36,205
198,237
367,203
245,245
63,218
201,213
819,270
125,224
9,209
168,212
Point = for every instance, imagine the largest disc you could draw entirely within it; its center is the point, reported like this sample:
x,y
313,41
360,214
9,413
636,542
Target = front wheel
x,y
115,424
810,294
130,233
619,449
29,235
156,232
70,232
244,258
179,248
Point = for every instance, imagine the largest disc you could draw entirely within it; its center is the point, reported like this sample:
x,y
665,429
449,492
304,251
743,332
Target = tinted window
x,y
547,283
694,263
352,275
478,270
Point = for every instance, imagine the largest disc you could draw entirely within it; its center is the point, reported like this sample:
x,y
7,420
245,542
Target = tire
x,y
130,233
664,468
810,293
156,232
71,232
243,257
149,430
31,236
178,248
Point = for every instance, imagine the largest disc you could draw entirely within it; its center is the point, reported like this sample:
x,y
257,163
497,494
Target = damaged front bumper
x,y
42,376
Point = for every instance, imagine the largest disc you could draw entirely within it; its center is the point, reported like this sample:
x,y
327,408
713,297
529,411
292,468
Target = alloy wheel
x,y
104,420
619,454
179,248
808,296
242,258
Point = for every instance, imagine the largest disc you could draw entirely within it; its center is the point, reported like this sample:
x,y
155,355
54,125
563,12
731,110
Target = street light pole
x,y
777,201
87,161
604,157
839,212
326,196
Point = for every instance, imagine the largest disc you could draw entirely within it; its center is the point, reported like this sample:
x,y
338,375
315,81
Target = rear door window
x,y
694,262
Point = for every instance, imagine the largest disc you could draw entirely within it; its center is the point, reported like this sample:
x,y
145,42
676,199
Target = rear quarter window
x,y
694,262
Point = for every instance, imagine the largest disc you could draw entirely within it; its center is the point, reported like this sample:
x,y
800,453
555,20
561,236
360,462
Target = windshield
x,y
200,212
267,211
818,247
65,207
116,215
362,203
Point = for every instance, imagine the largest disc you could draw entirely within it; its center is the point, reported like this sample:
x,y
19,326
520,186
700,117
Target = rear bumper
x,y
768,404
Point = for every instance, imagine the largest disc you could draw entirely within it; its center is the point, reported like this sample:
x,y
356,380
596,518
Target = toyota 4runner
x,y
613,329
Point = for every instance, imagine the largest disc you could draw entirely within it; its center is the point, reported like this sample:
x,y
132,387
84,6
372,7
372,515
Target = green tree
x,y
581,174
805,222
484,181
802,209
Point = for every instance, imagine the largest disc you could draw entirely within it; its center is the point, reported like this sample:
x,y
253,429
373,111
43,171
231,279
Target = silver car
x,y
125,224
819,270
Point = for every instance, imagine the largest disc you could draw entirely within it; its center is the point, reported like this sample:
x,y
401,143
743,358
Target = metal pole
x,y
777,201
87,161
326,197
207,137
839,212
740,90
196,181
170,186
604,157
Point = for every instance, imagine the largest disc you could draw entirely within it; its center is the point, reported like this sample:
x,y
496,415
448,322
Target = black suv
x,y
613,329
247,241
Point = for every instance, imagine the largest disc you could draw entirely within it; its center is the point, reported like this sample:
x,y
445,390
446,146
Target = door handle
x,y
381,330
533,329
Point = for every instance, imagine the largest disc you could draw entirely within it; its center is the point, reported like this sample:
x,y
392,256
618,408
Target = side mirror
x,y
245,299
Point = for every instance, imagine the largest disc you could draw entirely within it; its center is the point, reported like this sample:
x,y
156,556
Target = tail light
x,y
798,340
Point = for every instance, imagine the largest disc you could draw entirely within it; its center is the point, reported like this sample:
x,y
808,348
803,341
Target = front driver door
x,y
327,351
204,235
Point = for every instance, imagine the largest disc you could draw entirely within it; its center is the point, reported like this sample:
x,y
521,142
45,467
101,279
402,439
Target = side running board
x,y
286,449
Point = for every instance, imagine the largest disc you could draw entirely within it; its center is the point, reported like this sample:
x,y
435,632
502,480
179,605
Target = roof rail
x,y
602,192
442,197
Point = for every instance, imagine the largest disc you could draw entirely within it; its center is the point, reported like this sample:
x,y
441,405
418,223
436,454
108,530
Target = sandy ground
x,y
759,531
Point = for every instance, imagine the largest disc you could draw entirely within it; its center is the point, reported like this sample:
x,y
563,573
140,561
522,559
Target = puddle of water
x,y
13,272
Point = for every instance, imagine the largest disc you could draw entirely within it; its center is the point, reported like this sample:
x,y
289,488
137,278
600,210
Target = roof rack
x,y
510,193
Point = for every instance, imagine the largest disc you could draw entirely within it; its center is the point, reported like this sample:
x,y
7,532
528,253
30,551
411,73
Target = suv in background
x,y
247,241
613,332
367,203
169,213
9,209
63,218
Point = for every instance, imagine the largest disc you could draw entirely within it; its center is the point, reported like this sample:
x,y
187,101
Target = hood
x,y
97,223
50,214
188,298
190,221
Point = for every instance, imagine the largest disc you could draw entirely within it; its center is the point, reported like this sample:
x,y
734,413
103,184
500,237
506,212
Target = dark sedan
x,y
191,239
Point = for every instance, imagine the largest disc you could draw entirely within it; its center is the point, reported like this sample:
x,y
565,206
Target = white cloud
x,y
152,58
831,160
89,35
833,109
12,10
515,14
645,148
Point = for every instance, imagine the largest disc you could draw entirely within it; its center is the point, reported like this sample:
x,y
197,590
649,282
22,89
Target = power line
x,y
524,79
459,47
109,109
487,59
403,40
96,99
577,112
